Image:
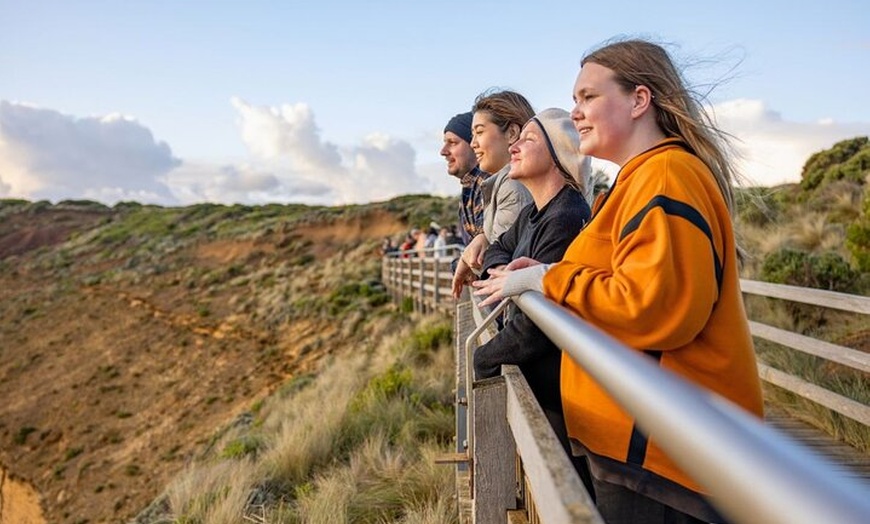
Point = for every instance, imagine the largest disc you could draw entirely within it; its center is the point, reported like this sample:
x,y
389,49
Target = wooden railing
x,y
754,473
848,357
423,278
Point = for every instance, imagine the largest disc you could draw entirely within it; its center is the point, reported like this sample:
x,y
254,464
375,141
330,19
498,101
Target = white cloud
x,y
47,154
50,155
242,184
775,150
288,141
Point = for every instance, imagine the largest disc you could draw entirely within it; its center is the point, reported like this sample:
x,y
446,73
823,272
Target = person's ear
x,y
643,100
513,133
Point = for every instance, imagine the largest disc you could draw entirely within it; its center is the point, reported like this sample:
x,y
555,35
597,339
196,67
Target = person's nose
x,y
576,115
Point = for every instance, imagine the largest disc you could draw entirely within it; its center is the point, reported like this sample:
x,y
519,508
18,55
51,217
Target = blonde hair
x,y
678,111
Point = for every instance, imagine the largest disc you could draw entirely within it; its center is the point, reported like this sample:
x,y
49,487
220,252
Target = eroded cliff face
x,y
19,502
122,350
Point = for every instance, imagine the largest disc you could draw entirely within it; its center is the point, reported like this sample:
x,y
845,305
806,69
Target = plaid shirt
x,y
471,204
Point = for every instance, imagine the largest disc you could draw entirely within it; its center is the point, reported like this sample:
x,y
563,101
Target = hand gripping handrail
x,y
754,473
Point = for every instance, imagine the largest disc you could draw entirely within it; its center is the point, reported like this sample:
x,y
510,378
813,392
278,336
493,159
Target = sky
x,y
334,102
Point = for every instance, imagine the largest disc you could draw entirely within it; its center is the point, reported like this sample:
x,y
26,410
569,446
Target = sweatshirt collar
x,y
631,166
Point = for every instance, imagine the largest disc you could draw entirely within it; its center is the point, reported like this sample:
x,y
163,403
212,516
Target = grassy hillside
x,y
131,334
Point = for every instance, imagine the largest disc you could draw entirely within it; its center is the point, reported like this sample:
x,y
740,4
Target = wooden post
x,y
409,280
421,296
493,467
464,325
436,292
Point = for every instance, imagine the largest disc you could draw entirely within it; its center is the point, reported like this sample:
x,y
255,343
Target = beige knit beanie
x,y
564,144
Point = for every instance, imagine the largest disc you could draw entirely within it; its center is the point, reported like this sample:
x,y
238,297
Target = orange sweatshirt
x,y
656,268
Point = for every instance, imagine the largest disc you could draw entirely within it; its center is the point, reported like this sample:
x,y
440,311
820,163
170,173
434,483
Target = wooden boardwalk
x,y
853,461
541,494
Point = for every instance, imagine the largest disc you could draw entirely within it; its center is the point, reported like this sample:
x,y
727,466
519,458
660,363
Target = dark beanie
x,y
461,126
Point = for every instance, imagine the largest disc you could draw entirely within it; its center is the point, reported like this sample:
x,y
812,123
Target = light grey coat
x,y
503,198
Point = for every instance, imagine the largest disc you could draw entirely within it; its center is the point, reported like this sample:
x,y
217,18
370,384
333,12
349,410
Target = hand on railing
x,y
522,274
462,276
473,253
469,264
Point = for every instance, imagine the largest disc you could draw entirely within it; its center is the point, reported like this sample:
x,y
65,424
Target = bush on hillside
x,y
858,243
848,159
364,295
820,271
82,204
827,271
858,237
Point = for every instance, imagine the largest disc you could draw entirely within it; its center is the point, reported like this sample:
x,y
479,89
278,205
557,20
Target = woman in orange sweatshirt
x,y
656,268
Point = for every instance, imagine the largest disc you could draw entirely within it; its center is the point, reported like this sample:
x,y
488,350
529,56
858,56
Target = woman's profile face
x,y
530,156
602,114
490,144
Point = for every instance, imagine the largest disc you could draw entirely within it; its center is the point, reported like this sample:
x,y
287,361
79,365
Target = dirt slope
x,y
118,362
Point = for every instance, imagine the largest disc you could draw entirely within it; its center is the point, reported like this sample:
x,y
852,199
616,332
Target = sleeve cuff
x,y
526,279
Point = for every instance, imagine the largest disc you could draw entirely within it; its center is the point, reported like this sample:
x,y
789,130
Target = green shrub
x,y
837,163
426,340
356,294
827,270
858,236
241,447
394,382
87,204
858,243
12,202
21,436
407,305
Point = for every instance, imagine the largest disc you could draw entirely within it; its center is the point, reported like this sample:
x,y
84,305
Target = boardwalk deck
x,y
421,284
853,461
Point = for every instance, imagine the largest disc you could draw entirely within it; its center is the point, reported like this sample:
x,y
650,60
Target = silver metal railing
x,y
754,473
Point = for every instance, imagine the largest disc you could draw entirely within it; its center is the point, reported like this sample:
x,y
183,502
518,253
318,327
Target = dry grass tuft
x,y
214,493
355,443
813,232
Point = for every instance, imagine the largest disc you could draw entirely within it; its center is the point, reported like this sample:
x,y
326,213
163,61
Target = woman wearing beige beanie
x,y
546,160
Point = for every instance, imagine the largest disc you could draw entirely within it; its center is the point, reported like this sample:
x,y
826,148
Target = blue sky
x,y
334,102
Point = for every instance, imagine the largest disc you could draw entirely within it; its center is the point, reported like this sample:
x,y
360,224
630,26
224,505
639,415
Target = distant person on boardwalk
x,y
420,242
441,243
547,161
462,164
388,246
498,118
406,248
656,268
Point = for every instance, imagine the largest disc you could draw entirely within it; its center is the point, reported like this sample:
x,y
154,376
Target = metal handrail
x,y
754,473
451,248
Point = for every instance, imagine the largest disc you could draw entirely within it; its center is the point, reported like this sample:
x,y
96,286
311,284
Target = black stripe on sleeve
x,y
683,210
637,443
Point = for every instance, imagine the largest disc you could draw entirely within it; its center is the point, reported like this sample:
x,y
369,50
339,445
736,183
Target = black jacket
x,y
543,235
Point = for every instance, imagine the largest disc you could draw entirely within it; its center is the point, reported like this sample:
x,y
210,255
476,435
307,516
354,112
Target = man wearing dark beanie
x,y
462,164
